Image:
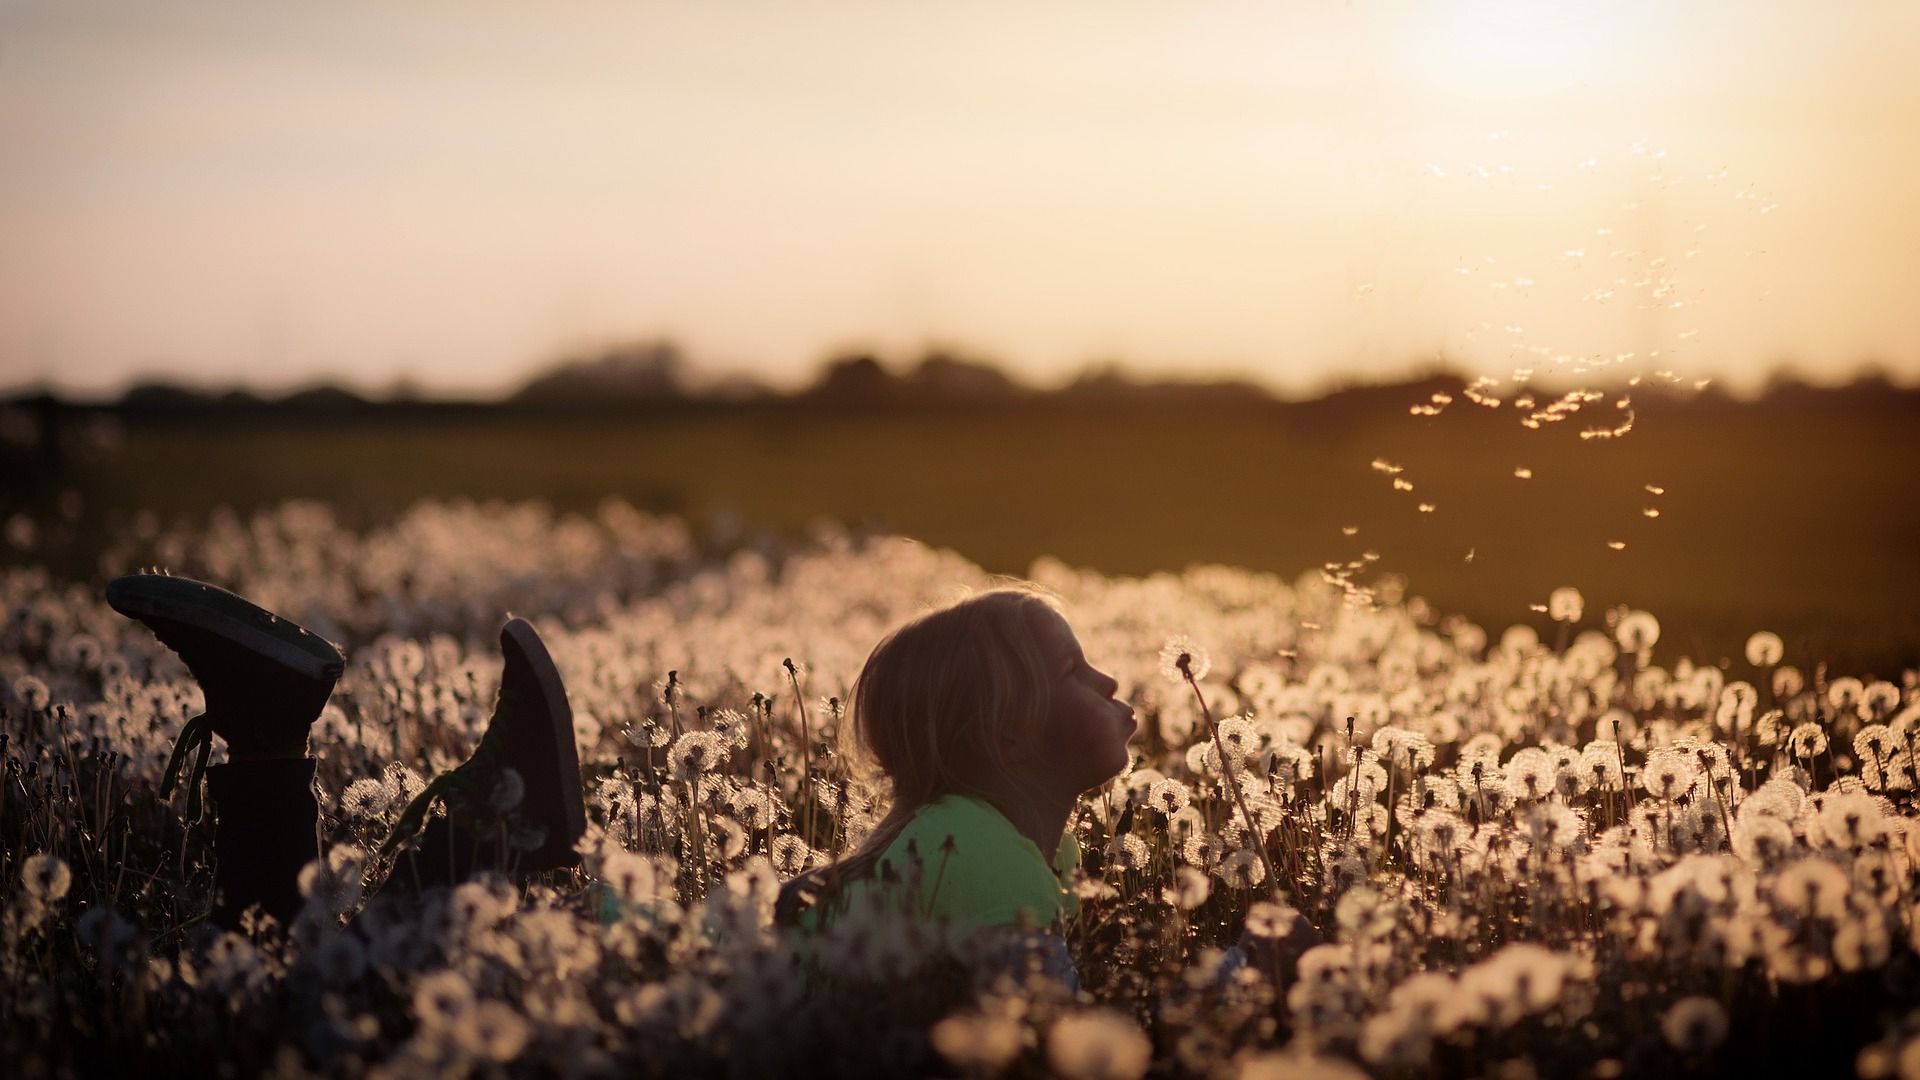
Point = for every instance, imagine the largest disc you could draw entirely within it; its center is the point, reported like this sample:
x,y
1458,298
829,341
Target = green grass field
x,y
1796,516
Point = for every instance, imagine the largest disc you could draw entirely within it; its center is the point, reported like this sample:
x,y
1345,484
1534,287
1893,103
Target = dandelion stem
x,y
806,751
1233,783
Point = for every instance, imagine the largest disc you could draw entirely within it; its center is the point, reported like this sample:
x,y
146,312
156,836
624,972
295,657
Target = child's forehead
x,y
1052,629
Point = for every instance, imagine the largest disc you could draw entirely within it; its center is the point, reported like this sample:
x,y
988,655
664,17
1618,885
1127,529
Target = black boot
x,y
263,834
524,823
265,680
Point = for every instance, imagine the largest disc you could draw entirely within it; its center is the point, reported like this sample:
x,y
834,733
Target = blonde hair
x,y
933,707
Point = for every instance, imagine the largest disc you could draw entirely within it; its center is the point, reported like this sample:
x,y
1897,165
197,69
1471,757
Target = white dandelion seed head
x,y
493,1031
1128,852
1293,1065
791,855
1565,604
1190,889
1266,919
696,753
1694,1025
1637,631
46,877
1098,1044
32,692
364,799
1765,649
1169,796
1807,741
1241,869
1182,658
976,1041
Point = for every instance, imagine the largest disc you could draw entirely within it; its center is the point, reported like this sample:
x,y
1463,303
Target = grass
x,y
1796,517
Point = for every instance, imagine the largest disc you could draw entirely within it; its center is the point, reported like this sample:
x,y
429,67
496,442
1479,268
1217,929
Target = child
x,y
984,716
265,680
988,723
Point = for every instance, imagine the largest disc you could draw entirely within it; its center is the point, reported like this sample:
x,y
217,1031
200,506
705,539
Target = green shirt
x,y
991,874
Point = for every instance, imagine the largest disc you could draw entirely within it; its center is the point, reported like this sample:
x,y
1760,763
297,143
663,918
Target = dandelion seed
x,y
1426,508
442,999
32,692
1242,869
1812,886
1694,1025
1565,604
729,836
1530,775
1293,1065
1880,698
1764,649
1844,694
753,808
1189,890
1668,774
364,799
1523,473
1852,820
978,1042
400,784
1400,484
1098,1044
1200,850
1180,658
1617,545
1807,741
493,1031
332,884
695,753
791,854
1168,796
1128,852
45,877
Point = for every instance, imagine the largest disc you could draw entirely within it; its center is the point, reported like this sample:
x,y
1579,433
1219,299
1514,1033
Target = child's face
x,y
1085,740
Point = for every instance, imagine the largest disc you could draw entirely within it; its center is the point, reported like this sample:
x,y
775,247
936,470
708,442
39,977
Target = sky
x,y
273,193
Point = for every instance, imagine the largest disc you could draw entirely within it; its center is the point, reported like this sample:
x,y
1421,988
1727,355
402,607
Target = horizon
x,y
698,383
221,193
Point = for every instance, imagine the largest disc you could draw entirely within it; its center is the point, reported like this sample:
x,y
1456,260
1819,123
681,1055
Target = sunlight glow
x,y
1506,51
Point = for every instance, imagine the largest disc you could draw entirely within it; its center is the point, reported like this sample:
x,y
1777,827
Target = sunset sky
x,y
456,193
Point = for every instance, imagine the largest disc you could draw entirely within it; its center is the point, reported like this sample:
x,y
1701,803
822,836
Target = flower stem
x,y
1233,783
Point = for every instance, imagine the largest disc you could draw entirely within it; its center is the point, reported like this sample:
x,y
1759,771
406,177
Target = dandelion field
x,y
1358,840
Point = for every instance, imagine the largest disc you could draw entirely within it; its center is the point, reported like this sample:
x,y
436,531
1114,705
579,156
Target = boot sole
x,y
520,635
209,608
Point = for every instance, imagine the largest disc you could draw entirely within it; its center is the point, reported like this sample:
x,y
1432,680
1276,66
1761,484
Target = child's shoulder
x,y
954,823
975,867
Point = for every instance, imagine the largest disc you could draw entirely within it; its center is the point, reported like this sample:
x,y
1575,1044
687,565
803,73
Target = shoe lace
x,y
471,778
196,733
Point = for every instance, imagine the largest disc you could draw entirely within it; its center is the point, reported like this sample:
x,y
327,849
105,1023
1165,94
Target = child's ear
x,y
1013,746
